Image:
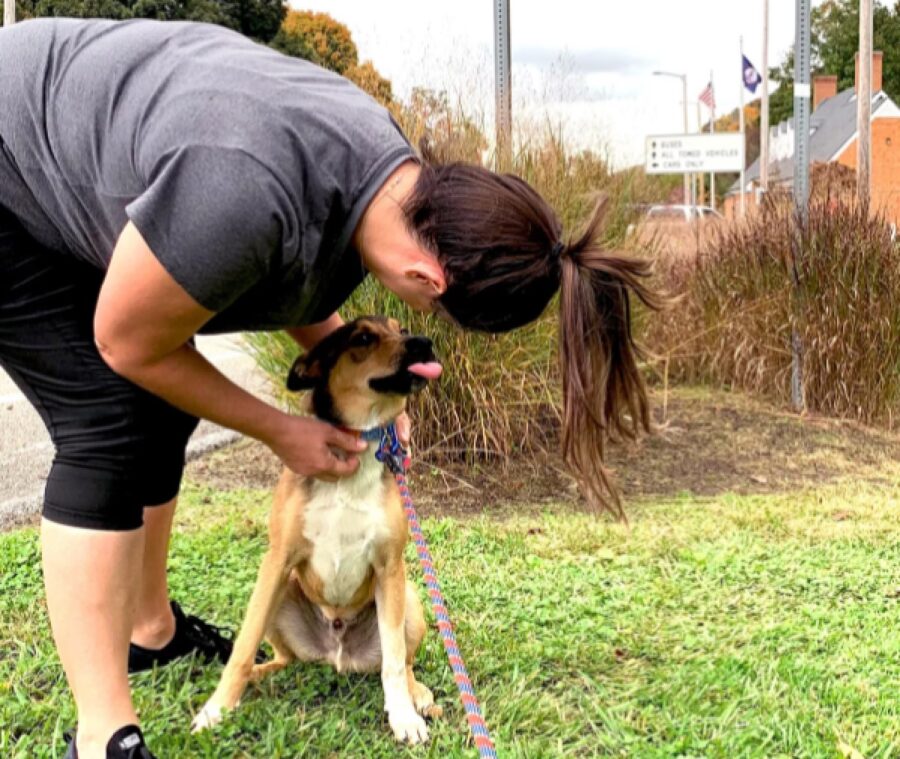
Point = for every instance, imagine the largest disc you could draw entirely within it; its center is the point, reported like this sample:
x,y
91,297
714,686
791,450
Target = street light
x,y
683,78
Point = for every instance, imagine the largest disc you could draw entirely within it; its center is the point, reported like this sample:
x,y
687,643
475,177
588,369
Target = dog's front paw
x,y
423,700
408,726
210,716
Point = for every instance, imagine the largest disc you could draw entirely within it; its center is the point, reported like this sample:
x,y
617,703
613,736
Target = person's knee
x,y
103,477
89,495
163,465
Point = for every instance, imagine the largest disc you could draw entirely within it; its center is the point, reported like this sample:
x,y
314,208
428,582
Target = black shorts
x,y
118,448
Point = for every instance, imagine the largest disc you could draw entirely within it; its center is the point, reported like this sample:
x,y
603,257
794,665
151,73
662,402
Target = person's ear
x,y
427,273
304,374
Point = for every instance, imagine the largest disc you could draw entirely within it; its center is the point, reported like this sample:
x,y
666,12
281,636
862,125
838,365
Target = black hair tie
x,y
557,250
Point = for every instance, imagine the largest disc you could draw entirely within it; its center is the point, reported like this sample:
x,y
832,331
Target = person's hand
x,y
316,449
404,429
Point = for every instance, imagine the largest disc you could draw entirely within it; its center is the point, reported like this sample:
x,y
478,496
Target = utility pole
x,y
686,190
502,77
9,12
801,187
764,109
864,104
686,186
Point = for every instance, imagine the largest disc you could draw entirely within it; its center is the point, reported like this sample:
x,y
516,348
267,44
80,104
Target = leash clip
x,y
391,452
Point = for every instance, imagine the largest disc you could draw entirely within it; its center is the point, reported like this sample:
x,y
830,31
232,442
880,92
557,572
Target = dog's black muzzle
x,y
416,350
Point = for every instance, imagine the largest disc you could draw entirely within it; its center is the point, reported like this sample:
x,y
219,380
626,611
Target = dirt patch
x,y
714,442
708,443
453,489
246,464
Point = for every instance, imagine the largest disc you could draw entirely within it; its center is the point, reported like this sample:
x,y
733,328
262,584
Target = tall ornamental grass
x,y
739,306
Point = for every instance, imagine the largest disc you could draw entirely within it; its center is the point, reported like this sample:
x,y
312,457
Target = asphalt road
x,y
26,451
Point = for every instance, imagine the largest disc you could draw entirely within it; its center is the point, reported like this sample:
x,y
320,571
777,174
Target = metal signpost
x,y
743,130
764,110
801,184
694,153
502,78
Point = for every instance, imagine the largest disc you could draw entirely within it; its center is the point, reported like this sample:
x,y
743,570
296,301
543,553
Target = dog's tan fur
x,y
302,603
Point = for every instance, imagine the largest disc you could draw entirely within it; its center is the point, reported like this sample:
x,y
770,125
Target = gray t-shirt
x,y
246,171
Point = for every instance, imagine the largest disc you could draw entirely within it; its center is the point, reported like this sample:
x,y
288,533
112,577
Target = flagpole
x,y
712,130
743,132
700,176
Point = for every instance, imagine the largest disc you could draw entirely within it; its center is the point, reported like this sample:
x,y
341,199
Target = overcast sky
x,y
587,64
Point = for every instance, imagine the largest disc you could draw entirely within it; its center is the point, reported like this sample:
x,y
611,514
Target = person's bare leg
x,y
91,578
154,624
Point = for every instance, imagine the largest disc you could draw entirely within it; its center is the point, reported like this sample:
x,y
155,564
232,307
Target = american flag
x,y
708,97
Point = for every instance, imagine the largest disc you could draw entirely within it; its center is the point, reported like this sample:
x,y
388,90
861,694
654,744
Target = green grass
x,y
753,626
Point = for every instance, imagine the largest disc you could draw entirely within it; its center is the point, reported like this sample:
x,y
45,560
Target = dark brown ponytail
x,y
498,242
604,395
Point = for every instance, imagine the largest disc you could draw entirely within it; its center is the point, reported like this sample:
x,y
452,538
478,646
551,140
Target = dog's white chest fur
x,y
345,522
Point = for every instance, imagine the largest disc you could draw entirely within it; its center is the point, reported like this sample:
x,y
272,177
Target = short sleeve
x,y
215,218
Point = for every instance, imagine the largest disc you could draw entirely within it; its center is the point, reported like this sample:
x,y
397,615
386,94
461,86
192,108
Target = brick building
x,y
833,137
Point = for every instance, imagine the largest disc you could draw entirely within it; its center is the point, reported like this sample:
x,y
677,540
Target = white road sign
x,y
695,153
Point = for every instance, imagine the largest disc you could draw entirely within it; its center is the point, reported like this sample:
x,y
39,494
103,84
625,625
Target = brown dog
x,y
332,586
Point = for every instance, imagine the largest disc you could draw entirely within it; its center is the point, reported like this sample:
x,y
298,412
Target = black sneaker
x,y
192,634
126,743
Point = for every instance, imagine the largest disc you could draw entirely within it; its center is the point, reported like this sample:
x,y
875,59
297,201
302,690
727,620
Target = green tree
x,y
834,43
259,19
781,101
114,9
208,11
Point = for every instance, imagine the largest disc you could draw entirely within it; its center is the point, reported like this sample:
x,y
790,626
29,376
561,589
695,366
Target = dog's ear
x,y
304,374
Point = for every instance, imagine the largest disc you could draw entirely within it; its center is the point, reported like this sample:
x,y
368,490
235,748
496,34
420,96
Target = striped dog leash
x,y
391,452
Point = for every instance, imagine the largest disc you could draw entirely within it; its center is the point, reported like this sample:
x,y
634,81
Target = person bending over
x,y
160,180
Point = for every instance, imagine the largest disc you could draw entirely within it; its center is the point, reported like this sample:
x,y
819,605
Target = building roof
x,y
832,128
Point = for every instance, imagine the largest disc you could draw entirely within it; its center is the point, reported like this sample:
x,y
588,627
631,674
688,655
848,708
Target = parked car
x,y
685,213
675,213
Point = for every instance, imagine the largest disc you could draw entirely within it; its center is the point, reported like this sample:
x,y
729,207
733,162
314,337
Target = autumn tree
x,y
317,37
366,77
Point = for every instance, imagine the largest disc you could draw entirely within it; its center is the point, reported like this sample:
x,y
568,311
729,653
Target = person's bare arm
x,y
306,337
142,325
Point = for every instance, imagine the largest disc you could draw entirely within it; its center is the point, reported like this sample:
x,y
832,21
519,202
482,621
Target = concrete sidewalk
x,y
26,451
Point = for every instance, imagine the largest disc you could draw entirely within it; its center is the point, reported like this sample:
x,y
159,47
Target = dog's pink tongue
x,y
431,370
